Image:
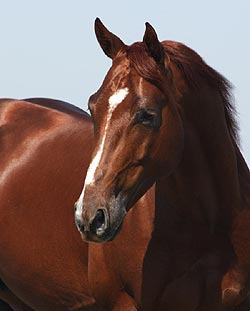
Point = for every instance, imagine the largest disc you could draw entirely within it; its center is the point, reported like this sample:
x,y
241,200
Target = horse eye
x,y
91,107
91,103
147,117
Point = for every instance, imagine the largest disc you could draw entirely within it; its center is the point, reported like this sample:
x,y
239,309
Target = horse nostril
x,y
99,219
98,223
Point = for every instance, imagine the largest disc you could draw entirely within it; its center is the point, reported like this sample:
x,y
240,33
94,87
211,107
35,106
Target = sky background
x,y
48,47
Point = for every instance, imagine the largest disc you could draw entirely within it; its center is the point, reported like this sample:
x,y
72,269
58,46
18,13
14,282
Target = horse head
x,y
138,131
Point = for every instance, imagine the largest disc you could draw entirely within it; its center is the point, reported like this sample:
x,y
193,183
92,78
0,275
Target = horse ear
x,y
153,45
109,42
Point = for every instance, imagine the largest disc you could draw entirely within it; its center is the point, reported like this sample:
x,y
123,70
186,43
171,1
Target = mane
x,y
195,71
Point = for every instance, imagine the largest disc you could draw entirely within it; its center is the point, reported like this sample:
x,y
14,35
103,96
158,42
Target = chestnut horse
x,y
162,116
45,147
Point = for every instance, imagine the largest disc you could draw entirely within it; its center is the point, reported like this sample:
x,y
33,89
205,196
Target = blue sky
x,y
48,47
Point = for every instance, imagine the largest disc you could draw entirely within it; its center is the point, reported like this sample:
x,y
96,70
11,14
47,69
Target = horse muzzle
x,y
99,222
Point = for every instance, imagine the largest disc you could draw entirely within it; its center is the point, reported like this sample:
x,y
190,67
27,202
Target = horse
x,y
164,127
46,146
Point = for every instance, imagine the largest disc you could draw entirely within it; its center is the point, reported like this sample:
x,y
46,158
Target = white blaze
x,y
114,101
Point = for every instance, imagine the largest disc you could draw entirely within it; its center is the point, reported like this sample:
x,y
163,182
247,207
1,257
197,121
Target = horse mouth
x,y
107,236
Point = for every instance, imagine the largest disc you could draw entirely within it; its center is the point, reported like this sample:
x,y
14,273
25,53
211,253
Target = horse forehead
x,y
124,76
118,75
119,84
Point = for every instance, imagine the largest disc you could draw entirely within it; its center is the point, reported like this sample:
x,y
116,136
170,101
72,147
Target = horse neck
x,y
204,190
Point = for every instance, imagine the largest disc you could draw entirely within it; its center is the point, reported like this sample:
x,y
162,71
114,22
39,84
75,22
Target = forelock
x,y
144,64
